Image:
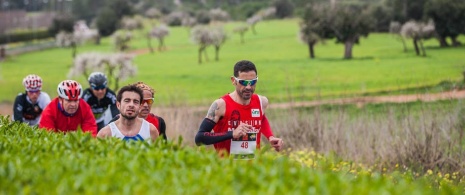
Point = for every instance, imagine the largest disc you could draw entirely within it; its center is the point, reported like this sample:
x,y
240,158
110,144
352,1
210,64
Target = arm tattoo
x,y
212,110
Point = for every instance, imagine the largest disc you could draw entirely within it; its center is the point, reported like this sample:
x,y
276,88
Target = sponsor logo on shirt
x,y
255,112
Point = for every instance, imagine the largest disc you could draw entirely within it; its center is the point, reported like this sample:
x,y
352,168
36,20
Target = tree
x,y
121,40
86,9
315,26
218,15
117,66
418,31
382,16
204,37
259,16
405,10
107,22
66,39
62,23
241,30
349,23
394,28
284,8
132,23
252,21
160,32
449,19
109,18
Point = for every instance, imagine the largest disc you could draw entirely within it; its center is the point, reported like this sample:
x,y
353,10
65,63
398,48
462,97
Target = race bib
x,y
244,147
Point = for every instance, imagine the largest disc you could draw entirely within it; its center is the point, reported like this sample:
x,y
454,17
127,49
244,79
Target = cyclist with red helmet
x,y
28,106
68,111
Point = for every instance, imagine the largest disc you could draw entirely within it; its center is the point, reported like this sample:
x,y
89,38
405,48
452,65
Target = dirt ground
x,y
7,109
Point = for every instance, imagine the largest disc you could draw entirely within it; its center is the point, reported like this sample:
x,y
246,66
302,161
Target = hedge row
x,y
24,36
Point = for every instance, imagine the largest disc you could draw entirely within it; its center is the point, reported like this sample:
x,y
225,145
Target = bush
x,y
24,36
62,23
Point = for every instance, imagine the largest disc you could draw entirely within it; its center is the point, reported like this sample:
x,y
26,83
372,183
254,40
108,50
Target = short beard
x,y
129,117
241,94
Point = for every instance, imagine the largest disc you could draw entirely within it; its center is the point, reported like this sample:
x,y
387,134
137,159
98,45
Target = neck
x,y
128,124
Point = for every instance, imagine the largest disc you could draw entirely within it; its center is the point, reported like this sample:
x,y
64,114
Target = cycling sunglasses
x,y
33,91
149,101
244,82
100,87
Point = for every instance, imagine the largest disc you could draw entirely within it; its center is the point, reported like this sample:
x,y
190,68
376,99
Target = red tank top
x,y
152,118
251,114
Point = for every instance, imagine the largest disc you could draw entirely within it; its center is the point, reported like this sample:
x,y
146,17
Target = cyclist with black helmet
x,y
28,106
101,99
68,111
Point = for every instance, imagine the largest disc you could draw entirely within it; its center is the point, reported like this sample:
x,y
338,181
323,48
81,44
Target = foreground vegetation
x,y
286,73
36,161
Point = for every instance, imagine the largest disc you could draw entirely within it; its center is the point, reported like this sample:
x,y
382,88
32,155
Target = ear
x,y
118,105
233,80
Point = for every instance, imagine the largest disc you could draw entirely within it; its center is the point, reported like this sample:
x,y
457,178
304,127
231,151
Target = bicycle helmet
x,y
70,90
97,79
32,82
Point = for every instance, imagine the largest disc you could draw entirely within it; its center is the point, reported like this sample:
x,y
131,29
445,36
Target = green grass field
x,y
285,71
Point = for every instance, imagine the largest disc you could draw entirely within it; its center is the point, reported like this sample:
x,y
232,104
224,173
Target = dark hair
x,y
132,88
244,66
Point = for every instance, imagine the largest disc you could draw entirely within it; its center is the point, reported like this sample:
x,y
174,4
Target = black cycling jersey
x,y
25,111
105,109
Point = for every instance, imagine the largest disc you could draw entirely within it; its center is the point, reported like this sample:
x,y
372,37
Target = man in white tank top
x,y
129,126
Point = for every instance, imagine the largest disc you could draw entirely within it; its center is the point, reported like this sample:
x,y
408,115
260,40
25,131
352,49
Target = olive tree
x,y
449,19
315,26
159,32
349,24
241,30
117,66
208,36
394,28
418,31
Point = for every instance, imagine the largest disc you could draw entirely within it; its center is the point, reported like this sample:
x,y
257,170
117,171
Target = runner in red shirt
x,y
238,118
68,111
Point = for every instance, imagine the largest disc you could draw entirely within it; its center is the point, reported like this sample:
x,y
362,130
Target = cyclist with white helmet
x,y
28,106
101,99
68,111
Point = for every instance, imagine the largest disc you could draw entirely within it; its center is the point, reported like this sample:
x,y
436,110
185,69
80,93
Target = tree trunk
x,y
455,42
74,47
201,48
415,44
97,40
161,44
205,54
311,50
149,43
348,49
403,43
422,48
443,41
217,52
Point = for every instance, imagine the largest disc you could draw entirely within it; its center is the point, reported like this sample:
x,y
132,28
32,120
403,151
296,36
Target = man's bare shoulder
x,y
264,101
216,110
104,132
